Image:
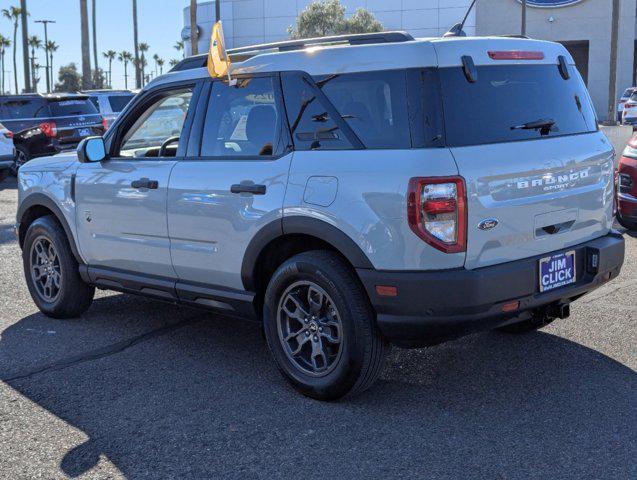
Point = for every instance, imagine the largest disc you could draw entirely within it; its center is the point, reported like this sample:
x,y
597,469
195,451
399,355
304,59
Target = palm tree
x,y
194,33
35,43
125,57
160,62
172,62
94,21
51,46
138,75
4,44
86,48
180,47
110,56
14,14
155,58
141,64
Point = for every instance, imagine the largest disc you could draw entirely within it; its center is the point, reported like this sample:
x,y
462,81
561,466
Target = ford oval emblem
x,y
488,223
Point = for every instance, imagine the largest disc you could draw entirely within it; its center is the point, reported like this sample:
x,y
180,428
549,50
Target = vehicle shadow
x,y
7,234
198,397
9,183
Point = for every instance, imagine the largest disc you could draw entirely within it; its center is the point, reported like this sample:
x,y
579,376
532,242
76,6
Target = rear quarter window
x,y
374,105
506,96
118,102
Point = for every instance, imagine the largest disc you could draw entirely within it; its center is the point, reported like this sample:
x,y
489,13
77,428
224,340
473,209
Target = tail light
x,y
8,134
437,212
49,129
104,124
630,105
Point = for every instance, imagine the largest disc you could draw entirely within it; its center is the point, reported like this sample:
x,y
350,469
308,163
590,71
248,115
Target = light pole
x,y
46,51
217,10
523,32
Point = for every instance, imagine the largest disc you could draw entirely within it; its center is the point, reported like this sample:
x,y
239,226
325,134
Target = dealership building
x,y
583,26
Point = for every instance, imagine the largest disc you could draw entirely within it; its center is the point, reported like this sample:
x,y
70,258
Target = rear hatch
x,y
75,118
524,135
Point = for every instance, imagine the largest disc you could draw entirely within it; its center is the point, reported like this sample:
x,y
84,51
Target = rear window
x,y
23,108
628,92
118,102
68,107
507,97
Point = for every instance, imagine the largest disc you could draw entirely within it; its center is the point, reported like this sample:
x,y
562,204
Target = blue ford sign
x,y
550,3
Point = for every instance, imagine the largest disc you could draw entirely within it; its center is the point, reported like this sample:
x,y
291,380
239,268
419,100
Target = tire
x,y
628,225
4,173
347,367
21,158
525,326
47,249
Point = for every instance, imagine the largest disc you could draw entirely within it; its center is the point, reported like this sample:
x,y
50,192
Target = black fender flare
x,y
40,199
305,226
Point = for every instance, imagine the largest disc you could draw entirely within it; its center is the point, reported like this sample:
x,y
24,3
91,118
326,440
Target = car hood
x,y
54,163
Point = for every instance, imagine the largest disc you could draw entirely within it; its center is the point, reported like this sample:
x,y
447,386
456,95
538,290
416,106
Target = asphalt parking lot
x,y
138,389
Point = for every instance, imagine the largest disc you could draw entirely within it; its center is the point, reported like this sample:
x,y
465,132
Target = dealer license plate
x,y
557,271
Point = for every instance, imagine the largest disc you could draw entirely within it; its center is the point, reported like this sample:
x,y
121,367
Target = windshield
x,y
62,108
514,102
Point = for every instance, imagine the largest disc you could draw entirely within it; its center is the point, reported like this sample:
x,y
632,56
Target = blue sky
x,y
160,24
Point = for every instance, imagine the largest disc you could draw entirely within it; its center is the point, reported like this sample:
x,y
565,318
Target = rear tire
x,y
320,327
52,272
21,157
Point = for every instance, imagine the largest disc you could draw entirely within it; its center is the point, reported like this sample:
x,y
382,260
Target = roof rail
x,y
243,53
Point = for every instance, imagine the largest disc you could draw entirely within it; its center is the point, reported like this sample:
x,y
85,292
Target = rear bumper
x,y
434,306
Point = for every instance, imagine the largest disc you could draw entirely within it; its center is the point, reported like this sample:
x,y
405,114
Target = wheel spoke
x,y
315,299
329,337
299,347
317,351
299,312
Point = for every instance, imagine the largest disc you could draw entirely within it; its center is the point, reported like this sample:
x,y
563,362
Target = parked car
x,y
48,124
347,197
109,103
624,98
627,186
7,151
629,113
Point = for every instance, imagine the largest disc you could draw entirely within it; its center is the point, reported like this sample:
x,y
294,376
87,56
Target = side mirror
x,y
91,149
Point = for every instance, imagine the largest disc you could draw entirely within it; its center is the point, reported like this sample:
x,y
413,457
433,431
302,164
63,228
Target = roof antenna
x,y
457,29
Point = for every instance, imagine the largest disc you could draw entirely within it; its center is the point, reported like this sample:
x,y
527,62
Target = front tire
x,y
52,272
320,327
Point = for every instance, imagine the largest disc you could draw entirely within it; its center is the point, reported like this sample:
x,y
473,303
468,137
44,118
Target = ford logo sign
x,y
488,223
550,3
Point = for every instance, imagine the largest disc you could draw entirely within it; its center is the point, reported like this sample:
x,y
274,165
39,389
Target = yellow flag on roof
x,y
218,61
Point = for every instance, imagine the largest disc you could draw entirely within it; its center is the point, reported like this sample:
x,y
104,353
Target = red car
x,y
627,186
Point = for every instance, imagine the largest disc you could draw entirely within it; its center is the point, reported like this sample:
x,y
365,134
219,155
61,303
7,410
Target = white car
x,y
7,151
109,103
629,114
624,98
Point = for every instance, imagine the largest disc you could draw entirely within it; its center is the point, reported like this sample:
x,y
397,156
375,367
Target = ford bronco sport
x,y
348,193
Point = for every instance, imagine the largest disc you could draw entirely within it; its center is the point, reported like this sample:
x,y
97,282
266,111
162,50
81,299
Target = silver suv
x,y
350,194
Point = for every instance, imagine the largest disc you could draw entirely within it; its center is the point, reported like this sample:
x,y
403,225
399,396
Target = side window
x,y
374,104
159,124
242,120
310,121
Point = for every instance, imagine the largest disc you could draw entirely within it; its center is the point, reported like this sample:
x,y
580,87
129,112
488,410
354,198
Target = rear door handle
x,y
245,188
145,183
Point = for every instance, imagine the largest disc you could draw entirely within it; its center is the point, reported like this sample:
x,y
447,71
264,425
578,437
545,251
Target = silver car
x,y
365,191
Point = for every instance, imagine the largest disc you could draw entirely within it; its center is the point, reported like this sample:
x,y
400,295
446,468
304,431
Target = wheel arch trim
x,y
42,200
301,225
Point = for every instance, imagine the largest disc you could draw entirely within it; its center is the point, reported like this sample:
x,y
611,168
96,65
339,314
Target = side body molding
x,y
301,225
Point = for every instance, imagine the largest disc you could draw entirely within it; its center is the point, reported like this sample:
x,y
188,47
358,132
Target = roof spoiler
x,y
243,53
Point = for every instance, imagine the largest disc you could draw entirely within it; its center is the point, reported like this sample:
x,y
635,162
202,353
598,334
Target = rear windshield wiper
x,y
543,125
